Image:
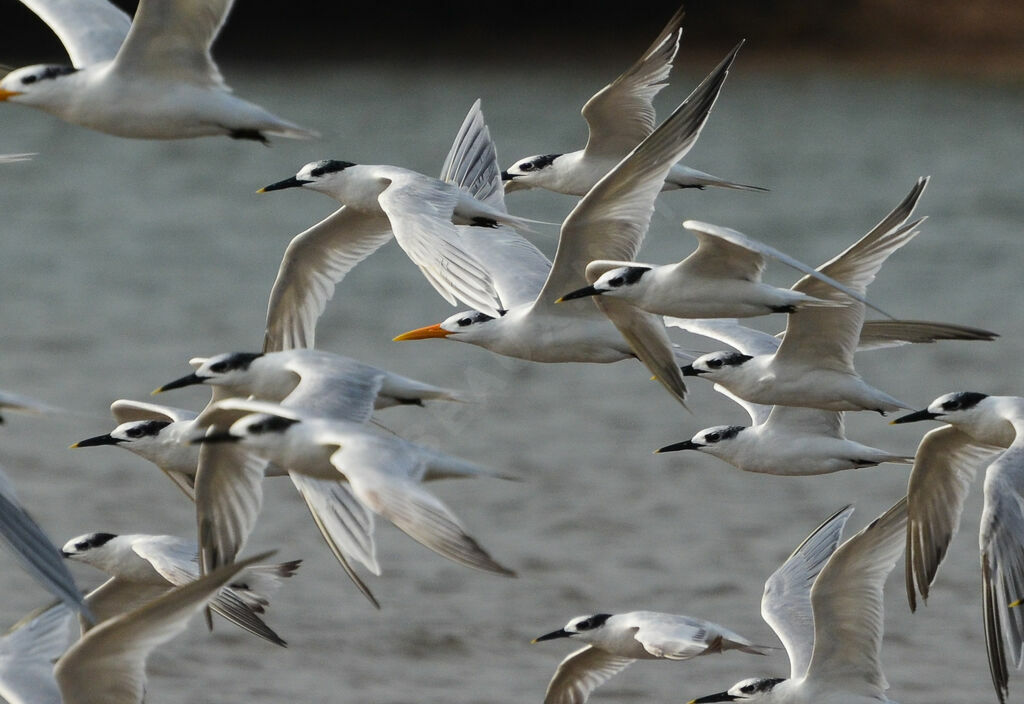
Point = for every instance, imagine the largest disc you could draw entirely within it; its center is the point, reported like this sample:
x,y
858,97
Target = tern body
x,y
614,641
152,78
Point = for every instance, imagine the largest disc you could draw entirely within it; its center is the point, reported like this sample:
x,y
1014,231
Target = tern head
x,y
228,369
957,406
531,172
255,430
134,435
714,441
88,547
580,626
37,85
467,326
318,175
716,365
619,281
753,689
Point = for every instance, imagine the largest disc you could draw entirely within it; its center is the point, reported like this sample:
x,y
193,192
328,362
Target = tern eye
x,y
81,546
715,363
136,432
29,80
617,281
713,437
463,322
219,367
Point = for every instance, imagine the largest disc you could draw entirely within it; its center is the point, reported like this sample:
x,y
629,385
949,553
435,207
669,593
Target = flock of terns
x,y
308,414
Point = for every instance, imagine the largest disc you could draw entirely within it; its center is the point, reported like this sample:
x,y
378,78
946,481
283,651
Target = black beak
x,y
97,441
580,293
675,447
560,633
688,370
506,176
214,438
291,182
187,380
914,417
65,554
720,697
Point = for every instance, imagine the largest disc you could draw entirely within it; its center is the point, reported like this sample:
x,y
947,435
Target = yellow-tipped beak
x,y
262,190
423,333
73,446
5,94
1017,603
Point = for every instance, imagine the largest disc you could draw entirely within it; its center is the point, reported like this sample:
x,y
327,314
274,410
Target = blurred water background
x,y
121,259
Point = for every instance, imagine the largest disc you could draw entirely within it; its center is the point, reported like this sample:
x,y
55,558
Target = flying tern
x,y
825,604
319,258
619,116
151,78
813,366
615,641
982,431
609,222
423,214
144,567
384,472
789,440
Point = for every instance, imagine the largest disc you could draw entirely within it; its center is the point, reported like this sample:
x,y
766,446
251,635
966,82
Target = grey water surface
x,y
121,259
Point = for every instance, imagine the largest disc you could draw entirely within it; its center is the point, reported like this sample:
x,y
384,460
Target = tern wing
x,y
611,220
825,336
786,604
730,254
944,466
1002,562
472,162
27,654
126,411
91,30
25,404
516,267
794,420
33,550
649,341
730,331
334,387
621,115
223,412
116,596
345,524
847,603
878,334
107,666
412,509
171,39
581,673
314,262
229,495
420,210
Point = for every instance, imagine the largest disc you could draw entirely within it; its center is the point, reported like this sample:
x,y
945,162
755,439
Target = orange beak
x,y
5,94
423,333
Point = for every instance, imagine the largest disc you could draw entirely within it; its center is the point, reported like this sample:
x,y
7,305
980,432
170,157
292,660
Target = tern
x,y
423,213
722,279
151,78
319,258
11,158
825,604
813,366
384,472
108,665
619,116
609,222
788,440
982,431
615,641
144,567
